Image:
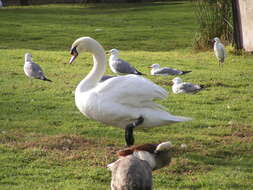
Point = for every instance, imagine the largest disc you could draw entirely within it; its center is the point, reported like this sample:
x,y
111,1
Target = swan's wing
x,y
122,66
167,71
131,89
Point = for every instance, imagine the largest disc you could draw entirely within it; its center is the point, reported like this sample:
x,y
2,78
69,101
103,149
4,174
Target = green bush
x,y
214,18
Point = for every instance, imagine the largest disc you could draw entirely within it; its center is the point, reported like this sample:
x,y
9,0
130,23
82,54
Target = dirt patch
x,y
59,142
239,133
184,166
63,147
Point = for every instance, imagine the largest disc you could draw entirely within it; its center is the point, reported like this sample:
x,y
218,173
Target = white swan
x,y
123,101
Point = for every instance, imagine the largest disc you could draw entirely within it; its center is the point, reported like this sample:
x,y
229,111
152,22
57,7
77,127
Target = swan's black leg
x,y
129,137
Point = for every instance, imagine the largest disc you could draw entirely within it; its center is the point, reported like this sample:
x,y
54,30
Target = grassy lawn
x,y
46,143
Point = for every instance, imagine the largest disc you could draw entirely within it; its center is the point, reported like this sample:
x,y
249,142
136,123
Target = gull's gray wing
x,y
124,67
35,71
189,87
105,77
220,52
167,71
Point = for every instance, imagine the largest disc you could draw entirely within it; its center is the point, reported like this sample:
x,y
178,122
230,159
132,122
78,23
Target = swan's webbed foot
x,y
129,137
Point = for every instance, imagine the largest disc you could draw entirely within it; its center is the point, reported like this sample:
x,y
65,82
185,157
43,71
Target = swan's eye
x,y
74,51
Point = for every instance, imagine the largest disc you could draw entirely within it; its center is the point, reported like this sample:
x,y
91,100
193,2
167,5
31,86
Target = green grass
x,y
46,143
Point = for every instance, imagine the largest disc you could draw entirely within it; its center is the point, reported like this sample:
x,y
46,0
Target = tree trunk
x,y
236,20
24,2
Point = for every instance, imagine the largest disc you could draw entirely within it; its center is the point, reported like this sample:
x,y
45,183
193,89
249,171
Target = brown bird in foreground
x,y
133,169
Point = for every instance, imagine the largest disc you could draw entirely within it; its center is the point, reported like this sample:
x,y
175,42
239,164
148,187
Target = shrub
x,y
214,18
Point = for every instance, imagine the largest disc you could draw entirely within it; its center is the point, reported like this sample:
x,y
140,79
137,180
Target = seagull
x,y
219,51
156,70
33,70
123,101
120,66
184,87
105,77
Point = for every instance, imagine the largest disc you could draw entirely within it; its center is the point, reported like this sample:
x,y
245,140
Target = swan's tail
x,y
175,119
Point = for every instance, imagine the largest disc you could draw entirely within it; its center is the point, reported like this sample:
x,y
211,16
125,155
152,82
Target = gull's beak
x,y
107,52
150,67
74,54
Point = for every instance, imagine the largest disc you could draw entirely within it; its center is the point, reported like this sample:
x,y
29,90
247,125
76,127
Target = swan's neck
x,y
91,80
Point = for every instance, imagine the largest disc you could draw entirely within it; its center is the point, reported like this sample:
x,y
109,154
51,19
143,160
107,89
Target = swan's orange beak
x,y
74,54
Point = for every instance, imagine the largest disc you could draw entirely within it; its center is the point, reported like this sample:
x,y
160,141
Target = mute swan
x,y
156,70
184,87
33,70
120,66
219,51
123,101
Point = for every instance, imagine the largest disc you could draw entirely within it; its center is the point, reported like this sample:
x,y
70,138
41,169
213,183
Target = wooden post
x,y
237,25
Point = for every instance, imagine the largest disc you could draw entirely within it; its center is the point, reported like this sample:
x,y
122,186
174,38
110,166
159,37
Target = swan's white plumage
x,y
120,100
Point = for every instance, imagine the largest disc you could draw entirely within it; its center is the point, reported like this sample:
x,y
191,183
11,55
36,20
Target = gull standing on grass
x,y
119,66
33,70
124,101
219,51
156,70
184,87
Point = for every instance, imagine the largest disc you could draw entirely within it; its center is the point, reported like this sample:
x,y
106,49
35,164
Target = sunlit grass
x,y
46,143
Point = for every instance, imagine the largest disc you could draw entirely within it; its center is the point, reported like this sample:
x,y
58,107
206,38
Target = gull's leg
x,y
129,137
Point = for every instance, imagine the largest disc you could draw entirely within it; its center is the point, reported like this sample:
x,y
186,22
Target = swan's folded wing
x,y
131,89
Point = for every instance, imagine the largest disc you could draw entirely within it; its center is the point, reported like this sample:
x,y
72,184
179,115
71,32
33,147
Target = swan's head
x,y
28,57
177,80
83,44
155,66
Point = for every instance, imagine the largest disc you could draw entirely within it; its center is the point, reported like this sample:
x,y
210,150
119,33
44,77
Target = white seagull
x,y
156,70
120,66
184,87
33,70
123,101
219,51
